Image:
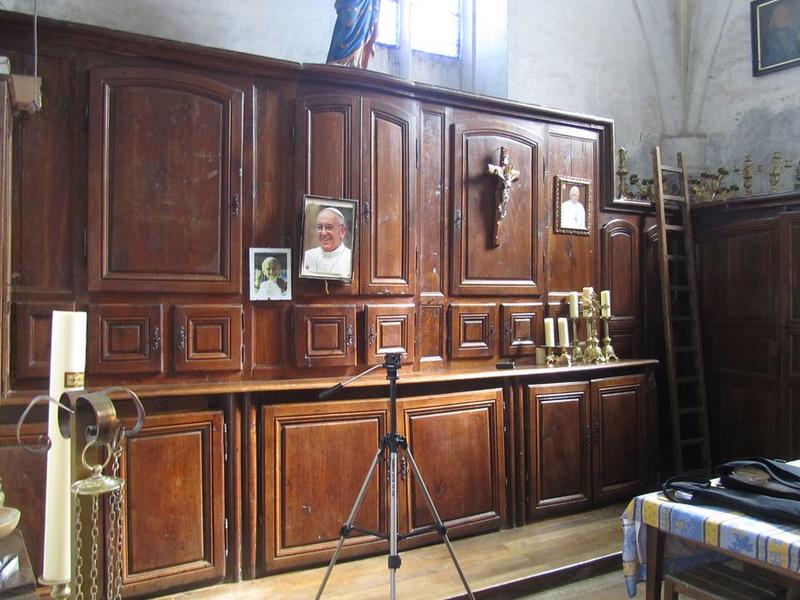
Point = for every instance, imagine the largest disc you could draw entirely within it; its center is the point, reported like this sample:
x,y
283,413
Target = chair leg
x,y
669,591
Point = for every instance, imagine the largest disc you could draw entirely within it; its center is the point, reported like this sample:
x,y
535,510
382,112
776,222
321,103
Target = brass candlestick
x,y
591,310
550,358
608,350
58,589
564,359
577,351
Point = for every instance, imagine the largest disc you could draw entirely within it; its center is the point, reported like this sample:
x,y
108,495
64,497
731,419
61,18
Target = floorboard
x,y
487,560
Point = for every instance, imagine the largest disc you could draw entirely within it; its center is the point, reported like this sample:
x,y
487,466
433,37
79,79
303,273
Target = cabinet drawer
x,y
473,330
125,338
389,328
522,323
208,338
325,335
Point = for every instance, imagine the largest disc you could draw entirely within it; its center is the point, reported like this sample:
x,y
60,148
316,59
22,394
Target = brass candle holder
x,y
564,359
577,351
550,357
591,310
58,589
608,349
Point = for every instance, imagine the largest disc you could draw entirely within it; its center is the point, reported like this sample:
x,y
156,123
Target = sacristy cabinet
x,y
316,455
173,513
584,442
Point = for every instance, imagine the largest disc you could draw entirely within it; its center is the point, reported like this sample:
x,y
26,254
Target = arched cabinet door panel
x,y
490,259
165,172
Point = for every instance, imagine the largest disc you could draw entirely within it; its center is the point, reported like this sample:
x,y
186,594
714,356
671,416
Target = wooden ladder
x,y
684,349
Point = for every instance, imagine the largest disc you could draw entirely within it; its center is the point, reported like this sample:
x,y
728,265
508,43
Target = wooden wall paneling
x,y
24,481
269,329
557,453
270,203
432,201
325,335
315,457
174,473
389,168
432,335
473,330
620,258
790,340
6,129
389,328
328,163
208,337
32,327
46,216
479,267
154,200
521,324
125,338
620,456
570,260
444,431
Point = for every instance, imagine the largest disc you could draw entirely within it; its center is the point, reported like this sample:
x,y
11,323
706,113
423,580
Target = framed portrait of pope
x,y
328,238
573,205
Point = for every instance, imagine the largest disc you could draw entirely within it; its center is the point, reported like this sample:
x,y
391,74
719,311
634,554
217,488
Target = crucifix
x,y
507,175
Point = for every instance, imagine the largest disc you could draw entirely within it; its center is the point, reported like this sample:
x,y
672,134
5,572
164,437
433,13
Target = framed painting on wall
x,y
328,237
573,205
270,274
775,35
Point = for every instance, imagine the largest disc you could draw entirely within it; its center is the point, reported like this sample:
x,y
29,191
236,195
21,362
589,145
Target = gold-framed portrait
x,y
573,205
328,238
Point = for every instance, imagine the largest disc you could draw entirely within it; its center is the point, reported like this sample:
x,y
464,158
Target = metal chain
x,y
78,550
117,498
111,544
95,545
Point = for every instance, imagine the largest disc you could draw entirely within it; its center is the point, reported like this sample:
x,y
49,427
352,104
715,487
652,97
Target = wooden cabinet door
x,y
388,229
165,160
619,437
557,455
173,513
33,325
389,328
479,266
315,458
325,335
125,338
522,324
457,443
473,330
208,337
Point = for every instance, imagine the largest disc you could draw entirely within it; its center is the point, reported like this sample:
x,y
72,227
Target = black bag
x,y
758,487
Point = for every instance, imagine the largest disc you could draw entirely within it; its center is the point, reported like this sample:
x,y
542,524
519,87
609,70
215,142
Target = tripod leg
x,y
349,523
394,559
438,521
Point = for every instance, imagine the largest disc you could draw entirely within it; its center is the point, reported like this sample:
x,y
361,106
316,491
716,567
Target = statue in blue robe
x,y
354,33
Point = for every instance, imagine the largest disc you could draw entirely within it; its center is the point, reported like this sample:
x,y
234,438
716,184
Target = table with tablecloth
x,y
694,534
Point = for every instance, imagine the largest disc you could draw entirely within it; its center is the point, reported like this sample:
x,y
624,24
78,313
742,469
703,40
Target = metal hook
x,y
44,439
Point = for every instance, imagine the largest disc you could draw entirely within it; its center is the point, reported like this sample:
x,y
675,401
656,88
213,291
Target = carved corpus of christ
x,y
506,174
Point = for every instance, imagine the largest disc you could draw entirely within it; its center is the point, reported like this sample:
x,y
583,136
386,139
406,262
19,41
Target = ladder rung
x,y
674,227
678,257
672,198
688,379
669,169
693,441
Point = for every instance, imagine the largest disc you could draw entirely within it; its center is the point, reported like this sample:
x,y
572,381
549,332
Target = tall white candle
x,y
587,300
573,305
549,336
563,332
605,303
67,361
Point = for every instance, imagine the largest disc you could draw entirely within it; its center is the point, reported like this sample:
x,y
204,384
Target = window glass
x,y
435,25
388,23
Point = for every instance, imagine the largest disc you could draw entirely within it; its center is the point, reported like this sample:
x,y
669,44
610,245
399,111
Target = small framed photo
x,y
775,35
328,238
573,205
270,274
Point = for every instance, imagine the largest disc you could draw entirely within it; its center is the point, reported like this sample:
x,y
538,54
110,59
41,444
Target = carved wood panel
x,y
165,160
33,322
442,431
557,452
473,330
521,328
619,437
388,242
174,508
125,338
389,328
478,266
325,335
620,251
432,334
208,337
308,493
432,202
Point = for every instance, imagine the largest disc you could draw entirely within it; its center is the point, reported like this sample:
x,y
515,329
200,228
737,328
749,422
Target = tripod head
x,y
391,362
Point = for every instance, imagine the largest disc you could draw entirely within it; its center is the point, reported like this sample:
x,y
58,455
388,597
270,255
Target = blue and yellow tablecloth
x,y
770,543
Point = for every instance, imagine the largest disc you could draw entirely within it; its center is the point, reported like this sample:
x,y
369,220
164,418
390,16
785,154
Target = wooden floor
x,y
487,560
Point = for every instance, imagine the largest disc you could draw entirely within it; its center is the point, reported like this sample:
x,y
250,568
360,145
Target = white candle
x,y
67,355
548,333
605,303
587,301
573,305
587,293
563,332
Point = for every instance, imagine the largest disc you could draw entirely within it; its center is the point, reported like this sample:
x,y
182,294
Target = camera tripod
x,y
392,442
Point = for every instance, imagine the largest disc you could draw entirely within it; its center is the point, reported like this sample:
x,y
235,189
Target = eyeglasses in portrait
x,y
328,238
270,274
